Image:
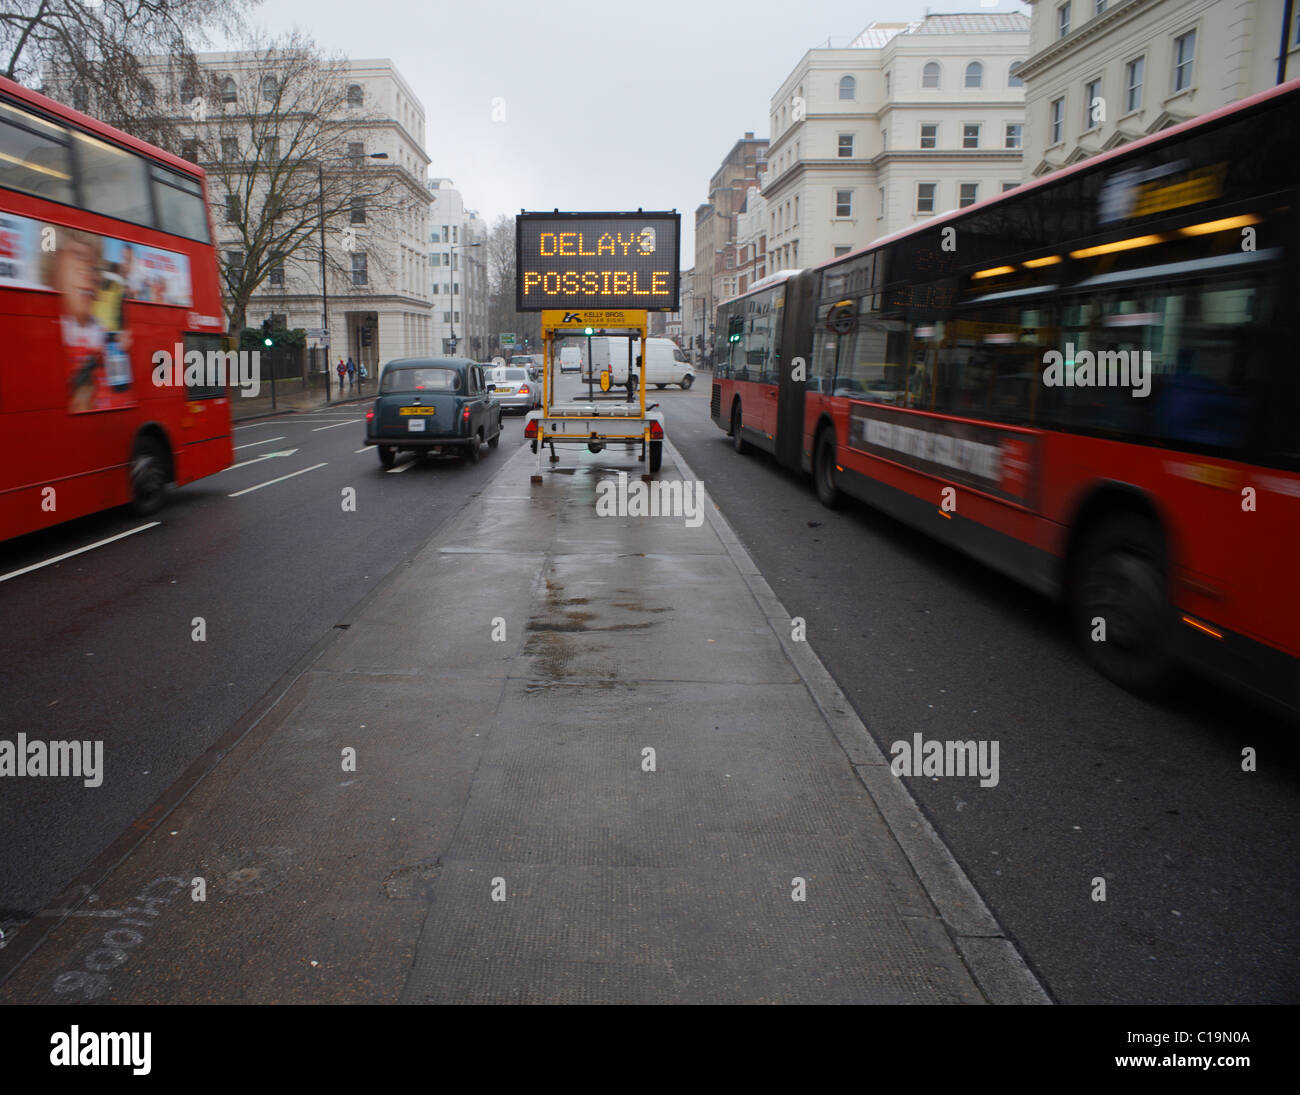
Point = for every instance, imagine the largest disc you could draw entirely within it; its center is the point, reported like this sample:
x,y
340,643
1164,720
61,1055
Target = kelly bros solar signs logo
x,y
597,261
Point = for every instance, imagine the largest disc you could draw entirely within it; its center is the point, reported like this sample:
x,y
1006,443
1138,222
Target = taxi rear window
x,y
421,380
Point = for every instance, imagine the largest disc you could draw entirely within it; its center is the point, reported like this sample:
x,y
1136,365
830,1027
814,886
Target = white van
x,y
666,363
570,359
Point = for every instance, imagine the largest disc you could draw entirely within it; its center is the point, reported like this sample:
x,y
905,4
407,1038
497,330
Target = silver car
x,y
513,388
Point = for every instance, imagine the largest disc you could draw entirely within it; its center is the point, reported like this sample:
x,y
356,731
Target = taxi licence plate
x,y
416,410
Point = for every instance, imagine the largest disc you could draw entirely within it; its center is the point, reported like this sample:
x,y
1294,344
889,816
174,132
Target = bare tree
x,y
501,287
94,55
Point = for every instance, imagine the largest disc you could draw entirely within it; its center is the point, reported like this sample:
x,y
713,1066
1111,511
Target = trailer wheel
x,y
656,455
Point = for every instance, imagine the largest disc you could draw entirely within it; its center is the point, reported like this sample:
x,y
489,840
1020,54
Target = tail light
x,y
656,431
530,431
370,416
523,389
465,414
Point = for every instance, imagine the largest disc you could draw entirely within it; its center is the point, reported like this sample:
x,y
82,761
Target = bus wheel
x,y
656,455
828,494
737,442
148,477
1122,614
387,456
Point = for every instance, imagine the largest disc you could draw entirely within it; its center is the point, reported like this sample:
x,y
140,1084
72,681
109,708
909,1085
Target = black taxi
x,y
433,405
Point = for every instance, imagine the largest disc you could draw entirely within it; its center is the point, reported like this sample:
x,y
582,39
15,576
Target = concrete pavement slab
x,y
456,800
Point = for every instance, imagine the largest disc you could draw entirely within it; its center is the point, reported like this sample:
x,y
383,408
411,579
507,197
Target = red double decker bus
x,y
106,260
1089,383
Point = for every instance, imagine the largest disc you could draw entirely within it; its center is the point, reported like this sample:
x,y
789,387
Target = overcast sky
x,y
608,106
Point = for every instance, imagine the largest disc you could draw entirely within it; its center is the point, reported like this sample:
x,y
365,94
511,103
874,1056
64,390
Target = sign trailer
x,y
595,274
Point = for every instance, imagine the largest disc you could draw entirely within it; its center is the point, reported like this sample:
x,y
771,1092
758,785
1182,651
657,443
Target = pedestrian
x,y
352,372
342,370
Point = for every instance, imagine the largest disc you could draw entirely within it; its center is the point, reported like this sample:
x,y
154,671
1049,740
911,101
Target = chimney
x,y
750,135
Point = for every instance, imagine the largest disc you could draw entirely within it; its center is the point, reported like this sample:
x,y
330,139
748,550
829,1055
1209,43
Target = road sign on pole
x,y
508,338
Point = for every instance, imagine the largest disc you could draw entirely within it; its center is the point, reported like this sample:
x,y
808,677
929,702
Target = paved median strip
x,y
269,482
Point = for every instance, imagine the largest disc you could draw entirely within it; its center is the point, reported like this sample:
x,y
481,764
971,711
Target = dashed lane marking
x,y
78,551
281,479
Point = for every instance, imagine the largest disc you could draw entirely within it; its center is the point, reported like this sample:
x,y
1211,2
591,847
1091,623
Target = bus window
x,y
34,155
113,181
180,204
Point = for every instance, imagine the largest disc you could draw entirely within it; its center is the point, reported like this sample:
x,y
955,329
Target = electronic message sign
x,y
597,261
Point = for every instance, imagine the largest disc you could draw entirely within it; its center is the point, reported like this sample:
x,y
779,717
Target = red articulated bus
x,y
106,259
1089,383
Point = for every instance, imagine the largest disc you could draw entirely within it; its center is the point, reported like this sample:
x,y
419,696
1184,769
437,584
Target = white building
x,y
751,238
1104,72
377,298
458,267
910,120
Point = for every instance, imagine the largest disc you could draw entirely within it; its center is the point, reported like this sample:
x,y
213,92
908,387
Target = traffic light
x,y
590,332
735,328
366,333
268,339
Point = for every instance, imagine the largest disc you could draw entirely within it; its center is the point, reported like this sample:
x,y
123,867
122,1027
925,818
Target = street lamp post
x,y
452,287
324,290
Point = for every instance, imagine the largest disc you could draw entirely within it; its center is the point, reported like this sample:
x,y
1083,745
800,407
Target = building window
x,y
1184,55
356,152
846,145
275,275
1063,20
446,317
270,88
925,197
271,149
882,204
1057,126
884,139
1133,83
930,74
1013,77
232,208
1009,186
235,266
228,91
190,151
848,88
970,194
230,149
357,212
146,94
970,136
359,276
1015,135
889,80
1091,99
975,75
842,251
930,135
189,91
355,95
843,203
1101,6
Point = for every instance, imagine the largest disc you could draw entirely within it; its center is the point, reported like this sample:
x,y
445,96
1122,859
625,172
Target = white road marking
x,y
254,425
79,551
264,456
337,425
269,482
366,449
403,467
253,444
